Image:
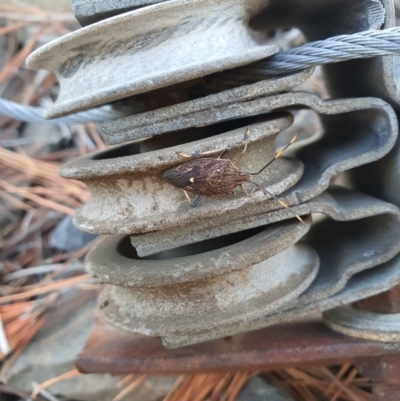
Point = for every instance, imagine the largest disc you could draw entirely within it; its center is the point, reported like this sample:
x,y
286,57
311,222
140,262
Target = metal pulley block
x,y
196,74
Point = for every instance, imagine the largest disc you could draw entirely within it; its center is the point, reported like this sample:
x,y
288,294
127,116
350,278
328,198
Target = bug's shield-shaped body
x,y
206,177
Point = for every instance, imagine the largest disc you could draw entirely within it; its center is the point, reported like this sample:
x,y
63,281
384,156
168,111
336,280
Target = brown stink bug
x,y
216,176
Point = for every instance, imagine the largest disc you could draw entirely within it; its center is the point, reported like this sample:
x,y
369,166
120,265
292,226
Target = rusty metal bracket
x,y
109,349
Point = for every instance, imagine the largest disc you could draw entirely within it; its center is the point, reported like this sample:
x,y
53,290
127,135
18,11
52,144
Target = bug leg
x,y
209,152
241,155
277,156
187,196
280,202
244,149
196,201
247,193
223,151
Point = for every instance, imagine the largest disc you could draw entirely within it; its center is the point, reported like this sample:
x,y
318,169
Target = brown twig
x,y
129,388
65,376
45,289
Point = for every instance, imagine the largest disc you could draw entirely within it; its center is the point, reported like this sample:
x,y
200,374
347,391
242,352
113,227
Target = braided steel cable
x,y
35,114
332,50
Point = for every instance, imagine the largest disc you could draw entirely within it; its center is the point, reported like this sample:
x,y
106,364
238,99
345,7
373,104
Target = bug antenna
x,y
280,202
278,155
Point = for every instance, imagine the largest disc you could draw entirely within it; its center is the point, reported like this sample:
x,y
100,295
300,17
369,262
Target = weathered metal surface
x,y
370,77
386,367
90,11
138,126
119,264
109,349
358,131
370,15
361,285
388,392
129,194
196,113
175,296
386,302
95,66
364,324
210,290
212,305
349,247
339,203
365,78
150,48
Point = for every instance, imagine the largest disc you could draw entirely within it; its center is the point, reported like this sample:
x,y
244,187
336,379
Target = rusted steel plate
x,y
387,302
110,350
385,369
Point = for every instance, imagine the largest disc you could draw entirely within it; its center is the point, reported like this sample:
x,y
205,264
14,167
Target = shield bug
x,y
217,176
